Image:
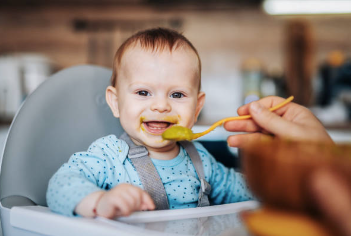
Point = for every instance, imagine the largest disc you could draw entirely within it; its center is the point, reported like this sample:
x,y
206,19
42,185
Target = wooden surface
x,y
71,35
74,35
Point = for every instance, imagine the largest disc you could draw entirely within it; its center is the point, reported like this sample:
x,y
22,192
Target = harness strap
x,y
147,172
151,180
196,160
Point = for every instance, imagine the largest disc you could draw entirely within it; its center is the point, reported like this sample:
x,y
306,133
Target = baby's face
x,y
156,90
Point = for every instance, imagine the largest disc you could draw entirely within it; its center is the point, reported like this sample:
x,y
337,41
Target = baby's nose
x,y
161,105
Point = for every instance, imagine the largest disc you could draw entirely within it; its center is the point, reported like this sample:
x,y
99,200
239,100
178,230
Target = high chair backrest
x,y
64,115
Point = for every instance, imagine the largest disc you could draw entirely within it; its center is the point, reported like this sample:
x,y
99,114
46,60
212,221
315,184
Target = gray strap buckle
x,y
205,190
205,187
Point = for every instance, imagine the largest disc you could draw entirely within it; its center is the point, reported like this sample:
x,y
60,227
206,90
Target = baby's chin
x,y
157,142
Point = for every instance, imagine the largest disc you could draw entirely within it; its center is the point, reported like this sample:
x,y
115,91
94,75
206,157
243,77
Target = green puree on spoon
x,y
179,133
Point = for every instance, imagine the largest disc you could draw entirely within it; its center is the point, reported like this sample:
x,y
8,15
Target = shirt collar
x,y
123,151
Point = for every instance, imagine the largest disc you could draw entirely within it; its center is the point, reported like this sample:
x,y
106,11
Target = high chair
x,y
65,115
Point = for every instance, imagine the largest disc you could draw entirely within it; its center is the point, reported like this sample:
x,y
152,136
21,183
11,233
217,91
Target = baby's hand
x,y
123,200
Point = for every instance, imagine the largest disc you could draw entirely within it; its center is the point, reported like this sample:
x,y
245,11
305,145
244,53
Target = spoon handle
x,y
220,122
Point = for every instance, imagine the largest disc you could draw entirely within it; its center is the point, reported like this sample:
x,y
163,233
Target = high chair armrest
x,y
12,201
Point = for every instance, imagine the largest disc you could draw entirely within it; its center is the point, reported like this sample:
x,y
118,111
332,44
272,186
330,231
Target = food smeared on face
x,y
157,127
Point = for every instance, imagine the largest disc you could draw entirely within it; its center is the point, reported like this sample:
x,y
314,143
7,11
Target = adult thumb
x,y
270,121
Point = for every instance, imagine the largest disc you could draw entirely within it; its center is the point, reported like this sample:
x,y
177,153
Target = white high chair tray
x,y
213,220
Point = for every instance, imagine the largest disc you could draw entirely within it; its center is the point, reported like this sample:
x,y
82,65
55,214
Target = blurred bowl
x,y
278,171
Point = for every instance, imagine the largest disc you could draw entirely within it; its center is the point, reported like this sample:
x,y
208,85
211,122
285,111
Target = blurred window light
x,y
303,7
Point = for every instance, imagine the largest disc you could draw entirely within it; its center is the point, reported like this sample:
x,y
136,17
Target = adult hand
x,y
333,199
292,121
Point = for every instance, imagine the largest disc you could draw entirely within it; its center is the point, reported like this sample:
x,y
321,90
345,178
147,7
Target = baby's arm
x,y
87,175
228,186
121,200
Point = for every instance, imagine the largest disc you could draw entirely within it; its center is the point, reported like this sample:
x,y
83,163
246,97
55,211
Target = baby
x,y
155,84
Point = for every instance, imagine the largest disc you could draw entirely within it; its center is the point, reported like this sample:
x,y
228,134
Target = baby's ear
x,y
112,100
200,104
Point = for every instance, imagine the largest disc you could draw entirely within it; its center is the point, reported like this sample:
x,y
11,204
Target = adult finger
x,y
241,126
272,122
268,102
240,140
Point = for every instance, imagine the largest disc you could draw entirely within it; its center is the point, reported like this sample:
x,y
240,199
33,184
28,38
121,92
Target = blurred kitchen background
x,y
249,49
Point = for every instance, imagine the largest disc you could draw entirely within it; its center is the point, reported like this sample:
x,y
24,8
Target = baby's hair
x,y
157,39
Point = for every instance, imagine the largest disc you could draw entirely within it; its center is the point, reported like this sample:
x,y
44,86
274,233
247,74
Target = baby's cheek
x,y
189,122
192,117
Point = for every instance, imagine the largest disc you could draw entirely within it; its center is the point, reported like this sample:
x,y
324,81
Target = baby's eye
x,y
177,95
143,93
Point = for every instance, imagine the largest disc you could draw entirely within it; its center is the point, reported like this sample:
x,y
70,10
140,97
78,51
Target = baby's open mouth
x,y
156,127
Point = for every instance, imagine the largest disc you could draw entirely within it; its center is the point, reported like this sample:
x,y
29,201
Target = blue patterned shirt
x,y
105,165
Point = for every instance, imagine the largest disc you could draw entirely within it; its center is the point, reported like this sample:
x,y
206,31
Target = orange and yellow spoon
x,y
179,133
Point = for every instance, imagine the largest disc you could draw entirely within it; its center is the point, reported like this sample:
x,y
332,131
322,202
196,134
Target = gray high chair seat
x,y
64,115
